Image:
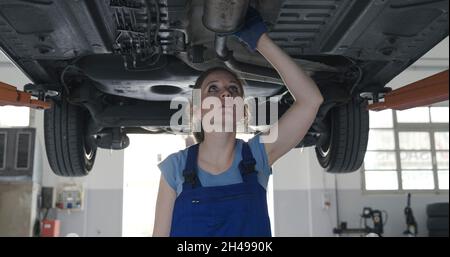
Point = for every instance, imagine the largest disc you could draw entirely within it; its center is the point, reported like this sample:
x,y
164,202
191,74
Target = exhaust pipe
x,y
251,71
225,17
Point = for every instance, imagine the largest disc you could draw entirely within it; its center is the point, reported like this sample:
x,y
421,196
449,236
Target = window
x,y
11,116
17,147
23,150
407,150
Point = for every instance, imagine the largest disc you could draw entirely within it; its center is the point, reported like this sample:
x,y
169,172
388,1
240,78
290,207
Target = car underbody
x,y
124,60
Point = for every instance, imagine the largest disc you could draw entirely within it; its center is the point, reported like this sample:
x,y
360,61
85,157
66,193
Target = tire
x,y
69,152
440,223
437,210
345,146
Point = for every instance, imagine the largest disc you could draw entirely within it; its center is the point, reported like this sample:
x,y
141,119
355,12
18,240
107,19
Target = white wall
x,y
301,188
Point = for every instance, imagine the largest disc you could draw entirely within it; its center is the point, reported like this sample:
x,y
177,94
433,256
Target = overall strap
x,y
247,165
190,170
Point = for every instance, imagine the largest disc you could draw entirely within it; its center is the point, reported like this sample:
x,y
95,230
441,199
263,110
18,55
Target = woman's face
x,y
222,87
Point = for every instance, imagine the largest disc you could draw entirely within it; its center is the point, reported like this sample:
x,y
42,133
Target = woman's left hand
x,y
254,27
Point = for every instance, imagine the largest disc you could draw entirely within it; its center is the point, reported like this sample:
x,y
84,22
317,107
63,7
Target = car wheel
x,y
343,147
70,152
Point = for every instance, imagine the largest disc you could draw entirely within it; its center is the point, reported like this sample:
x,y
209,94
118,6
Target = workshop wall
x,y
351,200
102,213
301,190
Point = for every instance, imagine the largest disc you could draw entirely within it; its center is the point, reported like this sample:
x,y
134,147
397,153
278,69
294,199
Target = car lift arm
x,y
9,95
424,92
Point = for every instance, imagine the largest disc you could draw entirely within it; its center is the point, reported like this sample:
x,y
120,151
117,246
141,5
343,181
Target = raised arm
x,y
295,123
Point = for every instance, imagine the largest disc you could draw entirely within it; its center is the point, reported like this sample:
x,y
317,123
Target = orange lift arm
x,y
9,95
424,92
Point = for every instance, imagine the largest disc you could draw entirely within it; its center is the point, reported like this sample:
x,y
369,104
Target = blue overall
x,y
221,211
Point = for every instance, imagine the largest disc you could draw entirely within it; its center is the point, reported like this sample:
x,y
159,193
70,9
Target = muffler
x,y
224,16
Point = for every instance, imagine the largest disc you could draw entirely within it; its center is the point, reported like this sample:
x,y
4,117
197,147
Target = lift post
x,y
9,95
424,92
